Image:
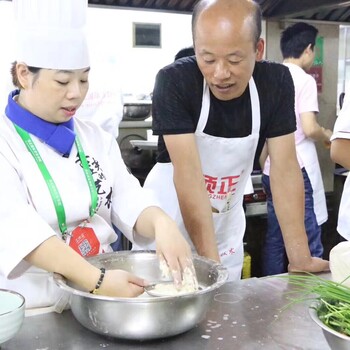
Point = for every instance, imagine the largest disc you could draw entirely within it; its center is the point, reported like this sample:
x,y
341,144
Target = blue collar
x,y
60,137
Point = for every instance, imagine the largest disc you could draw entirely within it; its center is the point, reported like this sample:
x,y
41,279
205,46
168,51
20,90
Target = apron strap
x,y
254,96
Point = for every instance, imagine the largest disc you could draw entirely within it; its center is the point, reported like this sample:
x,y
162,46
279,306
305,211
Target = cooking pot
x,y
137,110
144,317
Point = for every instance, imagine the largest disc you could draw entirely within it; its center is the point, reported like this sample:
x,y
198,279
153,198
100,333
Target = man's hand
x,y
193,198
310,265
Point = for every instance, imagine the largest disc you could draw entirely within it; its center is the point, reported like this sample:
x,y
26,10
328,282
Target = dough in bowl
x,y
189,285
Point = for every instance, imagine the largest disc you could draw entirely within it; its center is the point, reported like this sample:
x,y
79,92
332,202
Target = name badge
x,y
84,240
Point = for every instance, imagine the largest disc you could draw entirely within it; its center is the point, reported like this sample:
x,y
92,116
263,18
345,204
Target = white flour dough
x,y
189,285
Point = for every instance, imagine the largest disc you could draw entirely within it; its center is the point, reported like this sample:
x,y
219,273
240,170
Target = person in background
x,y
213,113
103,104
63,181
298,50
185,52
340,154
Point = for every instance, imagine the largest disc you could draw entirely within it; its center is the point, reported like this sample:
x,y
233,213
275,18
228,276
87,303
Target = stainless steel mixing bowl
x,y
335,340
144,317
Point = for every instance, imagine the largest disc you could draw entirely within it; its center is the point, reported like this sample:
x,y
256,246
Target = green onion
x,y
333,299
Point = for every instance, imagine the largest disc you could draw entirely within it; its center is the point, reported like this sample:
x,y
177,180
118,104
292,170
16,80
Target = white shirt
x,y
342,131
305,100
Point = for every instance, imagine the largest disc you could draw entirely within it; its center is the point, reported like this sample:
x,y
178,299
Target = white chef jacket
x,y
27,213
342,130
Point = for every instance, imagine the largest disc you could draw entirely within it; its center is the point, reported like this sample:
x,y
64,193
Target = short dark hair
x,y
296,38
185,52
14,76
203,4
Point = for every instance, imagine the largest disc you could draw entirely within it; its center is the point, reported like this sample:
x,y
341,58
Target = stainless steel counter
x,y
244,315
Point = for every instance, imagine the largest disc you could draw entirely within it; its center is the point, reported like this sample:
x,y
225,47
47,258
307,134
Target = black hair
x,y
296,38
14,76
185,52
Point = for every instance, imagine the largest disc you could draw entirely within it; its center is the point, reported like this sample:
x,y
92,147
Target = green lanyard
x,y
55,195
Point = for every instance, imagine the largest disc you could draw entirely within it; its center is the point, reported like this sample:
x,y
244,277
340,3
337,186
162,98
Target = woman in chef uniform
x,y
340,153
63,181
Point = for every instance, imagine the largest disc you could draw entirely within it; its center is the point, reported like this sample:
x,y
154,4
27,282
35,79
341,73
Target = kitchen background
x,y
111,38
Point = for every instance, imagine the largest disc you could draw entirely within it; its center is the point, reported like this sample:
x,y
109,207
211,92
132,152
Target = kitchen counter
x,y
244,315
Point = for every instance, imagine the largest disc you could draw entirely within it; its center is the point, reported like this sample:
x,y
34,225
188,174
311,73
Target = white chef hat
x,y
50,33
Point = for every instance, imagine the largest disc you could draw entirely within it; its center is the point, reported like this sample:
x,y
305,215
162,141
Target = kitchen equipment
x,y
12,306
139,161
255,203
138,110
335,340
144,317
144,144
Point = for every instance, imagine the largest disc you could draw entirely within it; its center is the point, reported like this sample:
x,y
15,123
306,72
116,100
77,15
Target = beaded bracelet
x,y
99,282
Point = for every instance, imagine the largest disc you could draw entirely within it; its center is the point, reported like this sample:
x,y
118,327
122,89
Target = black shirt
x,y
177,102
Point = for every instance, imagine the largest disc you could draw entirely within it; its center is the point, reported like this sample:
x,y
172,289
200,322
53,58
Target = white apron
x,y
227,164
306,151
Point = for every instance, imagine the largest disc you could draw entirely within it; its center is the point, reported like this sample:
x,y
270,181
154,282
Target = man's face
x,y
310,58
55,95
226,53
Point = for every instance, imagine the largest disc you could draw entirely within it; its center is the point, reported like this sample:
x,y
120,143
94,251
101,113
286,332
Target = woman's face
x,y
54,95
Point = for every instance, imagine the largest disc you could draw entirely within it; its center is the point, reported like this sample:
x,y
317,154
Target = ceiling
x,y
319,10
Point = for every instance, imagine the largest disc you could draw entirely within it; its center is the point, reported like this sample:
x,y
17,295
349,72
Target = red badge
x,y
84,241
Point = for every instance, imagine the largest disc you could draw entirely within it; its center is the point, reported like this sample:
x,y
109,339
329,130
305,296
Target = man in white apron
x,y
213,113
297,46
228,213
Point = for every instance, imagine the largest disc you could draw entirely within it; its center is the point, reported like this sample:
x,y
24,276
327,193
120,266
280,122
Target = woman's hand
x,y
172,247
170,243
119,283
54,255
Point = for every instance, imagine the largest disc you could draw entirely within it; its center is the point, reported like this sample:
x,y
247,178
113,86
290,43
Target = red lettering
x,y
211,183
228,184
